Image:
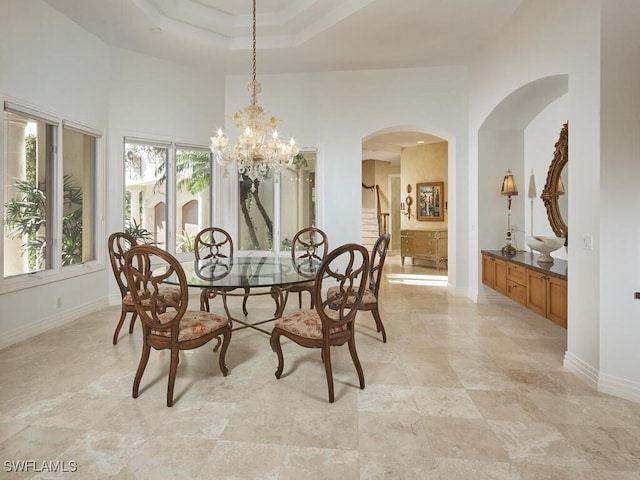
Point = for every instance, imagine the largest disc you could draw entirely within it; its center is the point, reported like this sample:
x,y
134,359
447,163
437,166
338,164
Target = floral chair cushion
x,y
368,298
305,323
194,324
165,290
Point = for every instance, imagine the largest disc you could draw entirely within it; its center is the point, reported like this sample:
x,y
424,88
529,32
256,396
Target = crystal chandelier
x,y
258,149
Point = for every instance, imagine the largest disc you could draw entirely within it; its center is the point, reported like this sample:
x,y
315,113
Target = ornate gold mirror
x,y
555,187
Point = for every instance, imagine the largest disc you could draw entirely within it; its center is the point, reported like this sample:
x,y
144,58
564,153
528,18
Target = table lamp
x,y
509,189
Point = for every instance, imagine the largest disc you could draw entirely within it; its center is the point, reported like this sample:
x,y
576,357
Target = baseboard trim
x,y
36,328
496,298
609,384
619,387
583,370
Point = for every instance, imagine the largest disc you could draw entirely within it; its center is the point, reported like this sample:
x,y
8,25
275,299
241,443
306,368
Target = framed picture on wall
x,y
430,201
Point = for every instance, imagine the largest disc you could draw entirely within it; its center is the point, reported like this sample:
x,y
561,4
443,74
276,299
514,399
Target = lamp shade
x,y
509,187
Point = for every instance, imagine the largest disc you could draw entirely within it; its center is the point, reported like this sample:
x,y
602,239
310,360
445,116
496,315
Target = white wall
x,y
335,111
39,67
160,100
620,198
48,62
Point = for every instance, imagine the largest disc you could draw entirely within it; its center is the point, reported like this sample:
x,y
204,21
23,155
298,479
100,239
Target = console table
x,y
424,244
540,288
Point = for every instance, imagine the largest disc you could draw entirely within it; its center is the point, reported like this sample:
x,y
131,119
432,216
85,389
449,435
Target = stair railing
x,y
382,217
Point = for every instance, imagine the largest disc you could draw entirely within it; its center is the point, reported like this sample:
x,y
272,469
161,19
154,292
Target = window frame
x,y
171,196
56,272
277,249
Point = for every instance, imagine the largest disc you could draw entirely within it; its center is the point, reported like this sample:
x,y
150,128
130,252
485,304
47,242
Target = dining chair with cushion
x,y
215,245
331,322
308,247
167,323
118,244
370,299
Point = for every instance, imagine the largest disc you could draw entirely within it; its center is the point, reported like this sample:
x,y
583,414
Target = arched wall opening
x,y
501,147
394,181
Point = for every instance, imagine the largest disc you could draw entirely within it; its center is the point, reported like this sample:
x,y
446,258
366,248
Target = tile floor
x,y
460,391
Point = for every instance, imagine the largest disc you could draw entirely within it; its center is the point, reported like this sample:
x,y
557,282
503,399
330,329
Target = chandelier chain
x,y
253,97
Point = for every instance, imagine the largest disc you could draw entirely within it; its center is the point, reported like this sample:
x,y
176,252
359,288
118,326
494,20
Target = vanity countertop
x,y
558,268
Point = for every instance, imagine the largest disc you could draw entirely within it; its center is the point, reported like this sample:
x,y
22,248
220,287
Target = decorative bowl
x,y
544,246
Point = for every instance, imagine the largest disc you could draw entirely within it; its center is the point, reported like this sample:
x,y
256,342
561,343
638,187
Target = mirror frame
x,y
550,193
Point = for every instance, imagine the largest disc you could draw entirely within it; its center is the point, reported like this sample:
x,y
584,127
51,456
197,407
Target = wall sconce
x,y
509,189
405,207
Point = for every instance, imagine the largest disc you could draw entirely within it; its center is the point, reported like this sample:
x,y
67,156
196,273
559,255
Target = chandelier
x,y
258,149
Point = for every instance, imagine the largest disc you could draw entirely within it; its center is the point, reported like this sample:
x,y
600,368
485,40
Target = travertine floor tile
x,y
459,391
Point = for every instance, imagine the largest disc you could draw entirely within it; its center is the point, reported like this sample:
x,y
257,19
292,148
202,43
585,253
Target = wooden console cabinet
x,y
424,244
494,273
542,289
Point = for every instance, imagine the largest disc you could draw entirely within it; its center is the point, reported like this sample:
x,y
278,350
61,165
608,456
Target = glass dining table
x,y
246,276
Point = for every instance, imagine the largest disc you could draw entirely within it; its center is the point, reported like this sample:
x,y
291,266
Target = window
x,y
168,194
50,207
29,154
280,206
145,187
79,204
193,206
169,199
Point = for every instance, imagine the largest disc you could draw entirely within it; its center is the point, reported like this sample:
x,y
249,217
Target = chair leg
x,y
132,322
356,360
173,369
226,338
276,347
204,300
300,300
326,358
244,301
280,306
218,343
146,350
379,325
120,322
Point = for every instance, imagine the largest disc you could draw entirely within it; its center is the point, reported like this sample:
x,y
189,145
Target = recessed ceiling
x,y
295,35
299,36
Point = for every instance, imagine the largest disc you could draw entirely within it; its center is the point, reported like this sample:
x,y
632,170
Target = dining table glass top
x,y
248,271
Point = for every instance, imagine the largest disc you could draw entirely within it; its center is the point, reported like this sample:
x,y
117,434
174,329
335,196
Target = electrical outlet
x,y
514,227
587,242
59,302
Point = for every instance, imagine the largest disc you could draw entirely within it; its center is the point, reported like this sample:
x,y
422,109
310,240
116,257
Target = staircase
x,y
369,227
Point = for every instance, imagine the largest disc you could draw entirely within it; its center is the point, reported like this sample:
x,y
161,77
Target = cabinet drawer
x,y
517,273
517,292
430,247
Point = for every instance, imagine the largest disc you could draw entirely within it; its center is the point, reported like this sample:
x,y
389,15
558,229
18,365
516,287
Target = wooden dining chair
x,y
331,322
308,247
216,245
370,299
167,323
118,244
